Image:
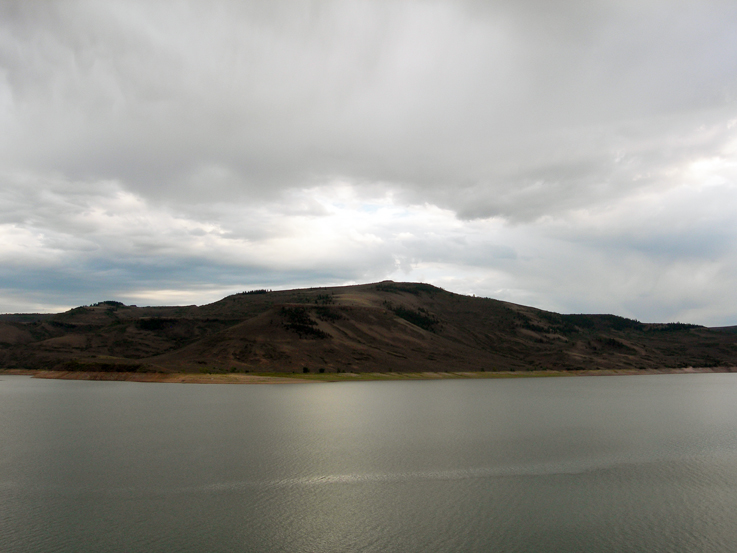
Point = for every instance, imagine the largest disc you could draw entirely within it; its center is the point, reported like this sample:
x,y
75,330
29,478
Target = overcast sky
x,y
573,155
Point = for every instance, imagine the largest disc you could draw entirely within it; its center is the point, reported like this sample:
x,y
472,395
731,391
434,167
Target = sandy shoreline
x,y
240,378
168,378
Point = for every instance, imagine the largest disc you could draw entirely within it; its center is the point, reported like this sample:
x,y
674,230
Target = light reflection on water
x,y
646,463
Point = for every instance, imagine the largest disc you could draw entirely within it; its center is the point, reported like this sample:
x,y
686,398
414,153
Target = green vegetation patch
x,y
613,322
155,323
671,327
105,367
325,299
569,324
298,320
328,314
422,318
386,376
615,344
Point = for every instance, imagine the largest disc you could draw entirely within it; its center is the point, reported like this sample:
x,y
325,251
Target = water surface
x,y
640,463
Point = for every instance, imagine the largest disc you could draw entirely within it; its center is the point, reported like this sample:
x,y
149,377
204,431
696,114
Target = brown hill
x,y
373,327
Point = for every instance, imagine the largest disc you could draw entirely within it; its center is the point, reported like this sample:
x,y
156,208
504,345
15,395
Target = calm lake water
x,y
640,463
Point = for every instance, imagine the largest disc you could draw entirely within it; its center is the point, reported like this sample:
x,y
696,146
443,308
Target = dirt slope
x,y
373,327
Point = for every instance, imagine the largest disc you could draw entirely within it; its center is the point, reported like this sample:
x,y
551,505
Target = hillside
x,y
386,326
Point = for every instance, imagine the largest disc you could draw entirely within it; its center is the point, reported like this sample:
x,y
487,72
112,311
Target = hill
x,y
386,326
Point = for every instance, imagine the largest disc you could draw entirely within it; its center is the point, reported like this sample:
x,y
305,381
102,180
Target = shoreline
x,y
294,378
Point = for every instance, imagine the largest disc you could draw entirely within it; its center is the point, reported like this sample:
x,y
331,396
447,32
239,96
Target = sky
x,y
579,156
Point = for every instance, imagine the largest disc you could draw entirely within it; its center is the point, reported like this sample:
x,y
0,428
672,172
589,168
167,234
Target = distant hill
x,y
387,326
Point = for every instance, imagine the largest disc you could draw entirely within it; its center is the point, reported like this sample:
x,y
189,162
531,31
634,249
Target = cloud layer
x,y
576,156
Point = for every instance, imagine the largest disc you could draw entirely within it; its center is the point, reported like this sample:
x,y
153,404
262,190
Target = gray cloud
x,y
187,145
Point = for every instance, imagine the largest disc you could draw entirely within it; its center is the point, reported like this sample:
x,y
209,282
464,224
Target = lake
x,y
589,464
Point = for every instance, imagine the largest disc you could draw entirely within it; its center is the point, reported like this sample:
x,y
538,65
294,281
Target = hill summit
x,y
380,327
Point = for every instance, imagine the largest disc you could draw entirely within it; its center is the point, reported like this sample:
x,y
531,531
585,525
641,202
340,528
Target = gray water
x,y
641,463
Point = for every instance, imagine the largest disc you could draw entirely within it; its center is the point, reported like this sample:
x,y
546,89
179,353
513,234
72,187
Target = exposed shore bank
x,y
277,378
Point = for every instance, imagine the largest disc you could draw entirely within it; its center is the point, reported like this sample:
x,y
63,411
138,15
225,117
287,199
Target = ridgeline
x,y
383,327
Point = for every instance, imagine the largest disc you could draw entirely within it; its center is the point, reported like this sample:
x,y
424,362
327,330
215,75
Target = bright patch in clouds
x,y
580,157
